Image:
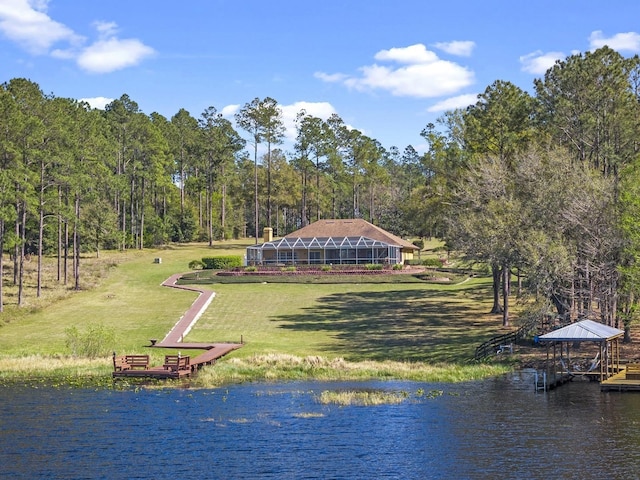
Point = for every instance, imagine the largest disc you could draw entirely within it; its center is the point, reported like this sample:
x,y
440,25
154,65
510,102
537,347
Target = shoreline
x,y
80,373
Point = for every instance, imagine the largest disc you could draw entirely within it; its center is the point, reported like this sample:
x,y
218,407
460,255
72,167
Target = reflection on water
x,y
495,428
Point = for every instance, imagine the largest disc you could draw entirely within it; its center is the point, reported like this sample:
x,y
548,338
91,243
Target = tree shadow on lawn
x,y
407,325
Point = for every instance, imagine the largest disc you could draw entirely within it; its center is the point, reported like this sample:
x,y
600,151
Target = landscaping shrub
x,y
373,266
196,265
97,340
432,262
414,262
222,262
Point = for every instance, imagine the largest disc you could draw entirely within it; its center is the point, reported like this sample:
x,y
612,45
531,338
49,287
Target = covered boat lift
x,y
558,343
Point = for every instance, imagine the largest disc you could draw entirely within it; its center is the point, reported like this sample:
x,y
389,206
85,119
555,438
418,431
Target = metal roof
x,y
585,331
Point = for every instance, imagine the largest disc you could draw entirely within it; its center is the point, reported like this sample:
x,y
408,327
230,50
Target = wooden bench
x,y
632,372
176,362
137,361
120,363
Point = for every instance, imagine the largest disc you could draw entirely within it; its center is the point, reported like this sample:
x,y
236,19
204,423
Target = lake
x,y
497,428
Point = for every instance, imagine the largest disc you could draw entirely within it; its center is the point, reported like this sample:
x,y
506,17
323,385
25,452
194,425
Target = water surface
x,y
494,428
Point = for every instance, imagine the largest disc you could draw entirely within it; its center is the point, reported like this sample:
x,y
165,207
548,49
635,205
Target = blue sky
x,y
386,67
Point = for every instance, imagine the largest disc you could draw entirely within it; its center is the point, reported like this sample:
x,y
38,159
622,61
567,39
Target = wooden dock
x,y
176,366
626,380
209,357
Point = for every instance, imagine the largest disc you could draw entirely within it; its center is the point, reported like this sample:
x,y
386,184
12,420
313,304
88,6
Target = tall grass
x,y
361,397
282,367
55,370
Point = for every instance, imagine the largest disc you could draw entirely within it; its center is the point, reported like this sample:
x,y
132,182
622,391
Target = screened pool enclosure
x,y
324,251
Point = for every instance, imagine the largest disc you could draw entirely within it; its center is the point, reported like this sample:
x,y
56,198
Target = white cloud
x,y
422,74
27,23
538,62
457,47
229,111
321,110
112,54
453,103
97,102
63,54
621,42
106,29
331,78
417,53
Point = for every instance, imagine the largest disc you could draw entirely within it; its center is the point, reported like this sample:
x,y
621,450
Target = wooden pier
x,y
176,366
626,380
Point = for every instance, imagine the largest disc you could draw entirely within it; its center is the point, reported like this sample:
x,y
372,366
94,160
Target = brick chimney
x,y
268,234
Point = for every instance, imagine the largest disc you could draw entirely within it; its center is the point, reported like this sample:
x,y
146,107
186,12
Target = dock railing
x,y
498,343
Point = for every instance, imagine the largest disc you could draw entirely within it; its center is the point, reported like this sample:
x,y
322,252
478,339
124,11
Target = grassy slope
x,y
130,299
416,322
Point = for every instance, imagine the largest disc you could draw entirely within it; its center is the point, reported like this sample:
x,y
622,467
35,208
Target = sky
x,y
386,67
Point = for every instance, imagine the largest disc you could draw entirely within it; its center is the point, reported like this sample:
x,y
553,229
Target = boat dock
x,y
176,366
626,380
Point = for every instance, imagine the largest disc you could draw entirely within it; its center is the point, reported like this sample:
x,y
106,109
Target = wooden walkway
x,y
173,339
622,381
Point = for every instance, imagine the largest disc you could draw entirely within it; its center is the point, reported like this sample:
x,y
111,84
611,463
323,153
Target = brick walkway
x,y
175,337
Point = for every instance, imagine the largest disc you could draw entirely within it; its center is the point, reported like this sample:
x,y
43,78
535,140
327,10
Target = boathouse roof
x,y
585,330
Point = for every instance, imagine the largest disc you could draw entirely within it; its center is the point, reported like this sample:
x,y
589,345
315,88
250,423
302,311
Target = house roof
x,y
356,227
585,330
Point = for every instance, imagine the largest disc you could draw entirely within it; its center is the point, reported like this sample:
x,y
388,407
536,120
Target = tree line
x,y
76,179
541,187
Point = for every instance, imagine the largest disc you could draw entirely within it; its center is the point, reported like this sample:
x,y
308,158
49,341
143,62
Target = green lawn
x,y
130,299
416,322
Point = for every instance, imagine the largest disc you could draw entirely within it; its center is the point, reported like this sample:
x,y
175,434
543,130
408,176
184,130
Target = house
x,y
335,242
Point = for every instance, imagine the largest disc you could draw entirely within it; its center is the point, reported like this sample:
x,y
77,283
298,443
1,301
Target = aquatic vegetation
x,y
369,397
361,397
308,415
282,367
